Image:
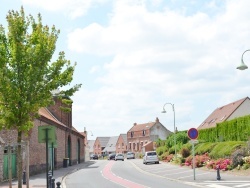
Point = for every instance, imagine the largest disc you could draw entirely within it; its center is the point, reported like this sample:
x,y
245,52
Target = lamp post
x,y
242,66
164,111
91,133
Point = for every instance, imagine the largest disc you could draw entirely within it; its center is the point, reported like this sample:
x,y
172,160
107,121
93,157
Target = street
x,y
134,174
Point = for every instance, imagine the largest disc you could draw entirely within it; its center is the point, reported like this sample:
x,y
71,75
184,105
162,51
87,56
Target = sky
x,y
134,56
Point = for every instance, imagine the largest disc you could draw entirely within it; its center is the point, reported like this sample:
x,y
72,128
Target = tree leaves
x,y
27,74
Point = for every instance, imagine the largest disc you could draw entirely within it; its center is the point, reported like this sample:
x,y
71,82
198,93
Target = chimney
x,y
157,120
135,124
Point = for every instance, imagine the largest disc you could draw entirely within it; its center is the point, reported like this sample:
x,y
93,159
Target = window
x,y
143,132
132,134
223,117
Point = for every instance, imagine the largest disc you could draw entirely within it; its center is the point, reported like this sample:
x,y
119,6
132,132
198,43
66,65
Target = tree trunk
x,y
19,159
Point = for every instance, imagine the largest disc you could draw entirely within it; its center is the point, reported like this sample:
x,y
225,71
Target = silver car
x,y
119,156
130,155
150,157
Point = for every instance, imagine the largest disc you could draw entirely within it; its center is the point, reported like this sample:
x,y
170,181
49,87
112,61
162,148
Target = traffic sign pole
x,y
193,135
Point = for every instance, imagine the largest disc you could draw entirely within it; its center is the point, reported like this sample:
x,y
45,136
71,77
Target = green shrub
x,y
164,156
237,157
185,152
246,166
225,149
160,150
202,148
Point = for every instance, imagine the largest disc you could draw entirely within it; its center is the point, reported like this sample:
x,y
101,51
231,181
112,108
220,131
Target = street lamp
x,y
91,133
242,66
164,111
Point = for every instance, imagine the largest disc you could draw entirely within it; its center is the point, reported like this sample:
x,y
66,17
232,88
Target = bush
x,y
185,152
169,158
160,150
246,159
225,149
164,156
178,159
246,166
204,148
237,157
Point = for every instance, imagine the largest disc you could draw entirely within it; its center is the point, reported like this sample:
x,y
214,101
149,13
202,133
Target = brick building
x,y
69,145
100,144
121,146
142,134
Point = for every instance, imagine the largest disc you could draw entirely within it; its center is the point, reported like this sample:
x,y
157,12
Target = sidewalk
x,y
39,180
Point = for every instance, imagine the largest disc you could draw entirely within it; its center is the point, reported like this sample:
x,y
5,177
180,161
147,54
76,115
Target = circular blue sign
x,y
193,133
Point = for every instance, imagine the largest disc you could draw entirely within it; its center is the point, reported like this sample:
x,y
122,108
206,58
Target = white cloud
x,y
74,8
143,57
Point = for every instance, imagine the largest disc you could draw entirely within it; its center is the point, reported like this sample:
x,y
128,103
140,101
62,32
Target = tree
x,y
27,74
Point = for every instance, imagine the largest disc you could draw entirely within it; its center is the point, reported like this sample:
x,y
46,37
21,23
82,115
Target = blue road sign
x,y
193,133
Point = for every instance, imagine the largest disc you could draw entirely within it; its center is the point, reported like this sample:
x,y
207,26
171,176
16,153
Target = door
x,y
13,165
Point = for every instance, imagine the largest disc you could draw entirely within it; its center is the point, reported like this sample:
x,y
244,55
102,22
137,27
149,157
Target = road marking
x,y
160,176
244,185
193,175
217,186
243,181
108,174
178,172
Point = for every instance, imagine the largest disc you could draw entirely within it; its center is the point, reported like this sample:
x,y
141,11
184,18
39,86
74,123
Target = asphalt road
x,y
134,174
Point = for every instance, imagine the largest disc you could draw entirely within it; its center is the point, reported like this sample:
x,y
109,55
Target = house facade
x,y
100,144
69,143
121,145
227,112
141,134
111,145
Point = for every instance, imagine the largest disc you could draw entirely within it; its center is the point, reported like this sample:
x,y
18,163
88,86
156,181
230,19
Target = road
x,y
134,174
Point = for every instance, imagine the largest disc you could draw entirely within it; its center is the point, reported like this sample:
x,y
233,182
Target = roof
x,y
124,137
46,113
111,145
140,127
221,114
103,141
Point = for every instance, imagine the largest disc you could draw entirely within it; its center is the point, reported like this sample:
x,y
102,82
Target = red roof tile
x,y
140,127
45,113
221,114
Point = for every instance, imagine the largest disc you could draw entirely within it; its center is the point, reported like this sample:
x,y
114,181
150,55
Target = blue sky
x,y
133,56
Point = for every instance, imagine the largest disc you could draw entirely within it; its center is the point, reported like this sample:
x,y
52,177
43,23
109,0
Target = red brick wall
x,y
121,146
97,147
37,151
137,138
64,117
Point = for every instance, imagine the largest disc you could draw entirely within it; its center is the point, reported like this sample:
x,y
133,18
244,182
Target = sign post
x,y
47,134
193,135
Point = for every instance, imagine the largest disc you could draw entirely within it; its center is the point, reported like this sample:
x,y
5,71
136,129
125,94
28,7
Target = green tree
x,y
28,75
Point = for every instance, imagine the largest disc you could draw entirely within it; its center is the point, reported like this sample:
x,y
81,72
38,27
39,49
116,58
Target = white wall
x,y
158,131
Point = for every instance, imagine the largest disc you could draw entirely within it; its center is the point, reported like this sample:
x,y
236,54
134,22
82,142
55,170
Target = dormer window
x,y
132,134
223,117
143,132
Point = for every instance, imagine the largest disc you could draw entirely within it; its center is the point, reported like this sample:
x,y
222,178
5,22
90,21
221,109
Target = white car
x,y
130,155
119,156
150,157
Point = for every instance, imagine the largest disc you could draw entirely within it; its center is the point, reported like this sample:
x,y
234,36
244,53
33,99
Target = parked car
x,y
150,157
95,156
130,155
119,156
111,156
